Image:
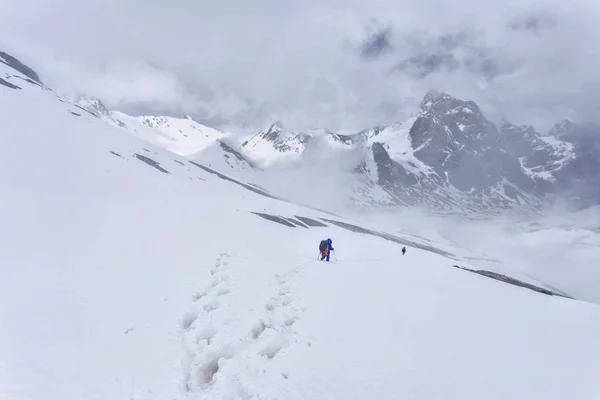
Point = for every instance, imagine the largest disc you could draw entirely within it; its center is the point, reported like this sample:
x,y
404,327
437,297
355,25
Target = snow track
x,y
232,336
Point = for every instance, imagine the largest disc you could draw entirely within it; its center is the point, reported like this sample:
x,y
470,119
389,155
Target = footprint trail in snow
x,y
232,335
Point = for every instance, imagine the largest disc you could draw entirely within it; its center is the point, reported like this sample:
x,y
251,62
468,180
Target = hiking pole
x,y
334,256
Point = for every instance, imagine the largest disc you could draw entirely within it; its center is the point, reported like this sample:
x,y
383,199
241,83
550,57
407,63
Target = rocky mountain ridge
x,y
447,156
451,155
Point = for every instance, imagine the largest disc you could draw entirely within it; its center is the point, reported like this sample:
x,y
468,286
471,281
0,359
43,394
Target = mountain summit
x,y
450,156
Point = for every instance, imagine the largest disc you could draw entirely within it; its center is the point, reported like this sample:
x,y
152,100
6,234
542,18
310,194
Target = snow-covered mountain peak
x,y
96,107
432,97
439,103
276,144
93,105
275,127
561,128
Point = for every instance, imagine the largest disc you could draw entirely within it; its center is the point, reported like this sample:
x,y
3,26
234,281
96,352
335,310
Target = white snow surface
x,y
182,136
121,281
218,156
399,147
282,148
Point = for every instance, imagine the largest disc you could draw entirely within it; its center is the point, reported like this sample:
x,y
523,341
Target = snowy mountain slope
x,y
557,251
25,72
397,142
97,108
130,272
223,157
183,136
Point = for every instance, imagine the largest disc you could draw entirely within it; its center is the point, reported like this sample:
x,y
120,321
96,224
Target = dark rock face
x,y
19,66
458,159
9,85
225,177
234,153
491,165
580,172
390,173
275,218
466,150
151,163
512,281
311,222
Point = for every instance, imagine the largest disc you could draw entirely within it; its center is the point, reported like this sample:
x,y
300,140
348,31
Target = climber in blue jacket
x,y
325,247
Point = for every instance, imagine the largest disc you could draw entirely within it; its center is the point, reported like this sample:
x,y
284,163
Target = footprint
x,y
217,282
223,291
289,321
272,349
211,305
216,267
207,372
271,305
189,318
198,295
210,367
206,334
258,329
286,301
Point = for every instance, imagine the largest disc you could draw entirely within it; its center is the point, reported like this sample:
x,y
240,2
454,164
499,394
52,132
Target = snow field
x,y
123,281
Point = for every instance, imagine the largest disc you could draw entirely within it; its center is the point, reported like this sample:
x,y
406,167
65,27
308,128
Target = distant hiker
x,y
325,248
403,250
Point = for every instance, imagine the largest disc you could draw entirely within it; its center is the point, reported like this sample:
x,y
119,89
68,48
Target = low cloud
x,y
342,65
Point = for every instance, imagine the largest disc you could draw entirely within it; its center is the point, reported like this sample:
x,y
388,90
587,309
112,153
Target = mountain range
x,y
446,157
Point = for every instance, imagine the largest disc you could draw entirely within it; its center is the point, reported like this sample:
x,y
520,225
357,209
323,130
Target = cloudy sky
x,y
340,64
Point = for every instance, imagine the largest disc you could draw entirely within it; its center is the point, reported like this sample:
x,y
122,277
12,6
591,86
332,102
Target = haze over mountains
x,y
447,156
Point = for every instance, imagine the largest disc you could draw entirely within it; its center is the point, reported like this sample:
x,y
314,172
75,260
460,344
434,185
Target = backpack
x,y
324,245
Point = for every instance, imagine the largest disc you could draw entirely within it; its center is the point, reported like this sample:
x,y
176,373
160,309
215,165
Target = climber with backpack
x,y
325,248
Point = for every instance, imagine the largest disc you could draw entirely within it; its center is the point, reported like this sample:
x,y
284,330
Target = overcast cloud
x,y
344,65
